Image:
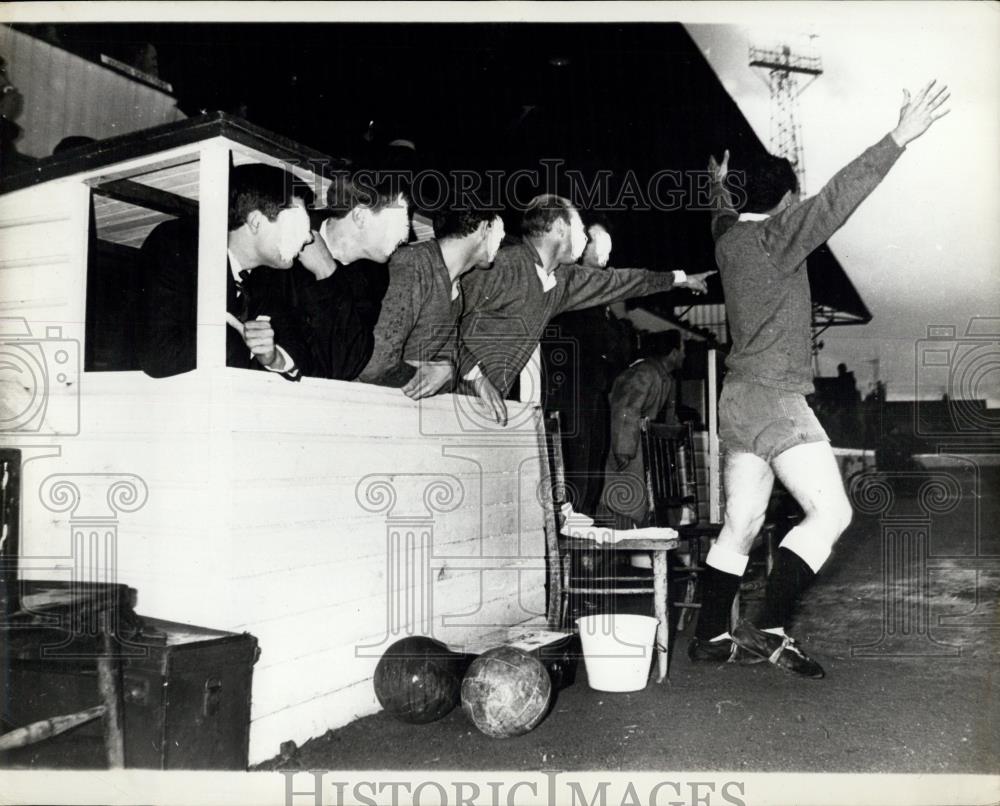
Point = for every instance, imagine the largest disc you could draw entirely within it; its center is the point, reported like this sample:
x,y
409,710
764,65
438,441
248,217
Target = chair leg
x,y
661,587
564,593
685,614
734,612
690,585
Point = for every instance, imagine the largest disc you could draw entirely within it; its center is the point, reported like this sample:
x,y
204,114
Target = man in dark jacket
x,y
582,354
645,389
268,226
337,285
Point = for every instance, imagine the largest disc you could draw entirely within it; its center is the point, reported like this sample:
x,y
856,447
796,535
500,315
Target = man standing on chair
x,y
765,425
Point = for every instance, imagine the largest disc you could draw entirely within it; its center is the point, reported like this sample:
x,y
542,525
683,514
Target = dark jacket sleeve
x,y
167,328
269,296
586,287
791,235
397,318
482,292
339,315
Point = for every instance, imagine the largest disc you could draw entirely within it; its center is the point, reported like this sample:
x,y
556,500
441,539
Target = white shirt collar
x,y
235,267
548,280
322,234
754,216
454,289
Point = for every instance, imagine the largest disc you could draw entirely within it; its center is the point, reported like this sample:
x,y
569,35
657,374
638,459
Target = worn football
x,y
506,692
419,679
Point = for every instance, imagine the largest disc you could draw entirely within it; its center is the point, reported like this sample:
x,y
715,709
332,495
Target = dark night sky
x,y
475,97
478,97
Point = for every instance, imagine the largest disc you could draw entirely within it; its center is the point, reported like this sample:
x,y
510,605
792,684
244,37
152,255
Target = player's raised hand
x,y
719,172
920,112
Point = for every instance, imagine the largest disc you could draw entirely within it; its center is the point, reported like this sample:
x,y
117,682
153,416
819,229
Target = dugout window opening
x,y
124,210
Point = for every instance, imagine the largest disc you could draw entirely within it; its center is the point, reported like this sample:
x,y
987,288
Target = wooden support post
x,y
661,603
213,238
714,475
109,684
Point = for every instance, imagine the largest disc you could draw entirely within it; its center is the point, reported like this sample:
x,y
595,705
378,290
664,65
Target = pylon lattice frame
x,y
783,70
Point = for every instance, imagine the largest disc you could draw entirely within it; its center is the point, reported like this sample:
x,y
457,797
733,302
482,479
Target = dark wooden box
x,y
187,701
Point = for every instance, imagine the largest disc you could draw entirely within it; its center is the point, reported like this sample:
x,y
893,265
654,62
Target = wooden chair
x,y
602,582
672,488
671,475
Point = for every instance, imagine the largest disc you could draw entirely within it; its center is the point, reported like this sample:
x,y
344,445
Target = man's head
x,y
374,210
483,228
598,250
554,220
770,185
667,347
268,206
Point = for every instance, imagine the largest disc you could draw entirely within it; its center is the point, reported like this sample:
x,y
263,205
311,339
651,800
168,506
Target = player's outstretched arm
x,y
918,114
791,235
724,215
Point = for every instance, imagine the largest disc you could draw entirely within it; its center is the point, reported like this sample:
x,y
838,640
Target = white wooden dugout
x,y
326,518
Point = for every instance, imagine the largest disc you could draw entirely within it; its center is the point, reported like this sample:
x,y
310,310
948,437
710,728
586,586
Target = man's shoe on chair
x,y
780,650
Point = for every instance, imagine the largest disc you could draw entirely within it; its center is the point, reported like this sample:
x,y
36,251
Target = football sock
x,y
789,577
720,582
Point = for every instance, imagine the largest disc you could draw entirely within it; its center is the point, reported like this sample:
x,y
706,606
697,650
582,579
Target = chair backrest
x,y
671,483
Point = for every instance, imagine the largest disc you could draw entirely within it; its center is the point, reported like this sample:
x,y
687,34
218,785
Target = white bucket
x,y
617,650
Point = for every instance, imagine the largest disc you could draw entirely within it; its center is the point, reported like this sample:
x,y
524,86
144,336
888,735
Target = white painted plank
x,y
320,667
313,718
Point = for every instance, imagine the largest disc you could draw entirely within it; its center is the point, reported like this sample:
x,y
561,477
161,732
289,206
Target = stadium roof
x,y
633,99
